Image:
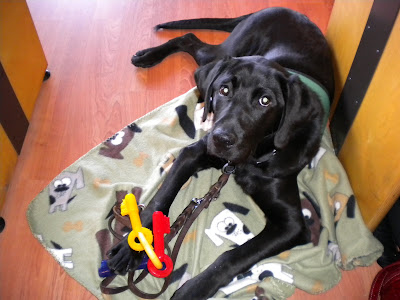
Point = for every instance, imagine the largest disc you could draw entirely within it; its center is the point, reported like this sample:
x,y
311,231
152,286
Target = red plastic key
x,y
161,226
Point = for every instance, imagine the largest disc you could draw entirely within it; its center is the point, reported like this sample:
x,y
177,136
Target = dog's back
x,y
279,34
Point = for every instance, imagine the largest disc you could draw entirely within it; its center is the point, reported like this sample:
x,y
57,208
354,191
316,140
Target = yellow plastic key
x,y
129,207
145,236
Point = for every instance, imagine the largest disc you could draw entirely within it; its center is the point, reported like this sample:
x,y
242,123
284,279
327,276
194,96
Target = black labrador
x,y
267,123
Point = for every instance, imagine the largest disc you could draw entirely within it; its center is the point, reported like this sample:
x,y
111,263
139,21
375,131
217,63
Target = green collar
x,y
317,88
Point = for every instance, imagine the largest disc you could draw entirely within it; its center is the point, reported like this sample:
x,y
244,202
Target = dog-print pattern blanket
x,y
69,217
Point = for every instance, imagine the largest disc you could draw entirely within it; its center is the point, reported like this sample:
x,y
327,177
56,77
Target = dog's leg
x,y
191,160
285,229
201,52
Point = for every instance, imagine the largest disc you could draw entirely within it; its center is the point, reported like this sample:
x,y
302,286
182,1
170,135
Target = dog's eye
x,y
224,90
264,101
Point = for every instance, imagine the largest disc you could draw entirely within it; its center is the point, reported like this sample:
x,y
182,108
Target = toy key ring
x,y
144,235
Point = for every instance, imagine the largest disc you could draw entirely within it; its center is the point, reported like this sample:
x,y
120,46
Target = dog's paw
x,y
147,58
123,259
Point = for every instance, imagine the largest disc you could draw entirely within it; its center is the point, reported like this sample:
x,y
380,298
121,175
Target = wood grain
x,y
93,92
371,151
8,161
345,28
21,53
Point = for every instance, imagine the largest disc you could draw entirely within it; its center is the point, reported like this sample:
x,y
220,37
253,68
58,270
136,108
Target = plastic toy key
x,y
160,227
144,235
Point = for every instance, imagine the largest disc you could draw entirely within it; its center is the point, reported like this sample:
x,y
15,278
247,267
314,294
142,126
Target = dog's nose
x,y
223,138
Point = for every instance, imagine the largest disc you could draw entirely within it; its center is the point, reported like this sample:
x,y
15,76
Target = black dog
x,y
267,123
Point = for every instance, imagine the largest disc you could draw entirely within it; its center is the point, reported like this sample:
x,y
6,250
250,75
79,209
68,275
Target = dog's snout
x,y
223,138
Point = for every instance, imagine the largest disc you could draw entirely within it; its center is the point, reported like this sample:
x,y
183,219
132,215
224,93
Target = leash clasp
x,y
228,168
197,201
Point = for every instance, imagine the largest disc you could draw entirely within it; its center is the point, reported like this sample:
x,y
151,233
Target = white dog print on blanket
x,y
228,226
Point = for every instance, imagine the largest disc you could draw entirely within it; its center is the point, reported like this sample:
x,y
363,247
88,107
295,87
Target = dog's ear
x,y
205,77
302,117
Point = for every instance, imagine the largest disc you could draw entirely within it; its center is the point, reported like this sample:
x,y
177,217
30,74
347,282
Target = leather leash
x,y
181,226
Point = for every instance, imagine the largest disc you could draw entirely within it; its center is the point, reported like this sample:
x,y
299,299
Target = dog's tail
x,y
221,24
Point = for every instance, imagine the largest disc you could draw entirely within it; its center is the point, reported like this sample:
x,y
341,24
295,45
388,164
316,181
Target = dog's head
x,y
255,100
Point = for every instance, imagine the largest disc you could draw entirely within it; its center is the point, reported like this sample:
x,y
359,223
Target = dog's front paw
x,y
123,259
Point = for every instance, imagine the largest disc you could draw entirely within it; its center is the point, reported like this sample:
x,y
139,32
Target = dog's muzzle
x,y
223,139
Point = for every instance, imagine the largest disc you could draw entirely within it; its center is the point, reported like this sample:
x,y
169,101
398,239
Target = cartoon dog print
x,y
61,188
312,215
227,225
118,142
59,253
340,203
256,274
260,294
62,255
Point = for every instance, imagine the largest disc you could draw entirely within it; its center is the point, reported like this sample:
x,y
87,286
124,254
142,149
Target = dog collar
x,y
317,88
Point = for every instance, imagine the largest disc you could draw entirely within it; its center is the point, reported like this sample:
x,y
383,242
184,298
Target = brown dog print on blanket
x,y
103,236
118,142
312,215
260,294
61,188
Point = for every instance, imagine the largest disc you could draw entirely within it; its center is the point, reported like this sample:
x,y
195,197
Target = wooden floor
x,y
92,93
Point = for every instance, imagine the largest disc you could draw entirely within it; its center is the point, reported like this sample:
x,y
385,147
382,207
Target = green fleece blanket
x,y
69,217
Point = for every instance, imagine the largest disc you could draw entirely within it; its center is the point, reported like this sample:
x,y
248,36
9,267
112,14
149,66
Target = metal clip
x,y
197,201
228,168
